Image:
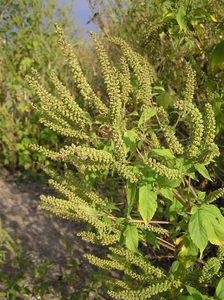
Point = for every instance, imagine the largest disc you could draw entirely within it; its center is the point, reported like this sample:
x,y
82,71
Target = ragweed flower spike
x,y
85,90
190,83
125,172
49,104
92,159
213,196
143,75
169,132
154,141
210,269
126,87
76,114
164,170
111,80
193,119
54,114
209,149
113,89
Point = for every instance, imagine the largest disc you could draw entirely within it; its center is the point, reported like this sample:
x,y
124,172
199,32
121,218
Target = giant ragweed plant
x,y
130,170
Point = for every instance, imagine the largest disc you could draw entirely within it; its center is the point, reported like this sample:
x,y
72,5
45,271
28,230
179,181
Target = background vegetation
x,y
167,33
27,38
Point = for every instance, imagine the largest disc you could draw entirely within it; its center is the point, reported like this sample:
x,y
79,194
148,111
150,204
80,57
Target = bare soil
x,y
41,235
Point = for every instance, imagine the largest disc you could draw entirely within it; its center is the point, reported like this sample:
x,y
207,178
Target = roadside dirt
x,y
41,235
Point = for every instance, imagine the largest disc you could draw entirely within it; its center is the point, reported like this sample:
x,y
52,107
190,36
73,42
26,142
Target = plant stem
x,y
165,242
159,257
141,155
180,199
141,221
191,188
166,246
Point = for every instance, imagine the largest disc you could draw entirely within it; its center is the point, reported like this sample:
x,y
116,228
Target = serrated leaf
x,y
130,140
149,176
220,290
206,224
165,100
147,202
180,17
197,231
161,152
201,196
149,114
130,189
167,193
214,224
202,170
131,237
165,182
151,238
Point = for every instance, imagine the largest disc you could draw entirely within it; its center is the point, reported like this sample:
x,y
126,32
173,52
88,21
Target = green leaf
x,y
175,267
206,224
220,290
131,237
151,238
201,196
202,170
175,208
149,175
26,62
167,193
188,252
165,182
150,113
130,140
118,221
186,298
161,152
36,44
195,293
214,225
197,231
147,202
180,17
217,57
165,100
130,189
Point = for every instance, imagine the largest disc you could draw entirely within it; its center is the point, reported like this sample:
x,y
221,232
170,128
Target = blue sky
x,y
81,13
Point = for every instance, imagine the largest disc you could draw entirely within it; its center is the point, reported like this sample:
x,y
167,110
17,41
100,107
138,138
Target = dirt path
x,y
39,232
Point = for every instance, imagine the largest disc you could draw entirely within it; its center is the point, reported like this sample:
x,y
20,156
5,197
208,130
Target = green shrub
x,y
27,39
169,34
131,171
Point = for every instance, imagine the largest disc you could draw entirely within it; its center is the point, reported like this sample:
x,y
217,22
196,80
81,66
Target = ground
x,y
40,233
